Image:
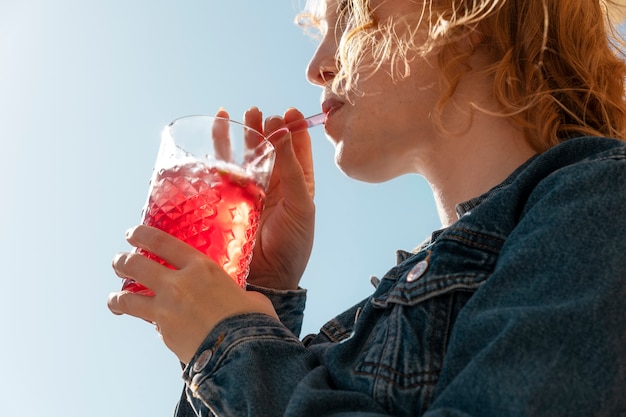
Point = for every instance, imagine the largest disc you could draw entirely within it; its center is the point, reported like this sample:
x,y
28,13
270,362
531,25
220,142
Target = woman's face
x,y
387,130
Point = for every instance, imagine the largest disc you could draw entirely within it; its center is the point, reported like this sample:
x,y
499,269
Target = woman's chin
x,y
362,171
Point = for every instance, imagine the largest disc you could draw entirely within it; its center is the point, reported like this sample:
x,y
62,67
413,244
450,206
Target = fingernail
x,y
222,112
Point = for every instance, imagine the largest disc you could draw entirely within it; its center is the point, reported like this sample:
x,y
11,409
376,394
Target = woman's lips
x,y
330,105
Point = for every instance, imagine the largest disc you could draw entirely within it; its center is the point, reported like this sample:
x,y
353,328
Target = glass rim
x,y
206,116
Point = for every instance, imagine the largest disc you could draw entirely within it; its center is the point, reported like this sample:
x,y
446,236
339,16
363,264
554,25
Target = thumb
x,y
287,165
290,172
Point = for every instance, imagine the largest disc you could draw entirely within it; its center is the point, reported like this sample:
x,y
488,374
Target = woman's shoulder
x,y
584,164
584,149
590,163
585,175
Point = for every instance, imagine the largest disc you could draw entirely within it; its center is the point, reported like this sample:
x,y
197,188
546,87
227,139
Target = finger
x,y
167,247
253,118
132,304
302,148
288,167
140,269
275,129
221,136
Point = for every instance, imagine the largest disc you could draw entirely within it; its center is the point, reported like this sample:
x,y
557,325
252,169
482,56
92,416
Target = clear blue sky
x,y
85,89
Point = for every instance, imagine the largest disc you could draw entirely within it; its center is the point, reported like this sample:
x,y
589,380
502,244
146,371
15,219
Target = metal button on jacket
x,y
203,360
417,271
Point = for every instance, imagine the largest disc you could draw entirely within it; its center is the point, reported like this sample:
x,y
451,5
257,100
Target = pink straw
x,y
302,124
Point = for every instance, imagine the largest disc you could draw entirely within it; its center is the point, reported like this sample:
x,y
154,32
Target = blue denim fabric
x,y
517,309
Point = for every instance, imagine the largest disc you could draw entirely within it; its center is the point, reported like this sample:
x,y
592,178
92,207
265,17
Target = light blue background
x,y
85,88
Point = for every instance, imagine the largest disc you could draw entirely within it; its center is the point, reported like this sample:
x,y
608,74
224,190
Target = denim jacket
x,y
517,309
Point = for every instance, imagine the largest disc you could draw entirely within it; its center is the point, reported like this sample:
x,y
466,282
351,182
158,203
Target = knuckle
x,y
157,241
119,303
127,265
120,264
132,233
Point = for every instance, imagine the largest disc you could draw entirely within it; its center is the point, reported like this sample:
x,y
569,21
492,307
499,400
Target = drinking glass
x,y
208,189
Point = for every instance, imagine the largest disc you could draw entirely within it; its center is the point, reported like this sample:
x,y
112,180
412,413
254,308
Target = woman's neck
x,y
472,164
483,152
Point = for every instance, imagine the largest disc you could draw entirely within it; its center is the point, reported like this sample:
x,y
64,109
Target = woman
x,y
513,308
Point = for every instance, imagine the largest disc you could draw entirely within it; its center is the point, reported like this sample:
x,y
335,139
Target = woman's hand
x,y
285,235
189,300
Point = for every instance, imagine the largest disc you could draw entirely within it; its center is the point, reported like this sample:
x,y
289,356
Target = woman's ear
x,y
470,38
474,38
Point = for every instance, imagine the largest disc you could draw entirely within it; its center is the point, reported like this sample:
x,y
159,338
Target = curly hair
x,y
559,70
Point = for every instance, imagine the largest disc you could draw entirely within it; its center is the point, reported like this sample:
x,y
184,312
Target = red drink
x,y
211,209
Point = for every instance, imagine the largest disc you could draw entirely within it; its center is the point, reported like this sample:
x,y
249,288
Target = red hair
x,y
559,70
560,74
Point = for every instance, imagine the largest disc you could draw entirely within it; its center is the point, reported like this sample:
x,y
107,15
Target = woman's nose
x,y
322,68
